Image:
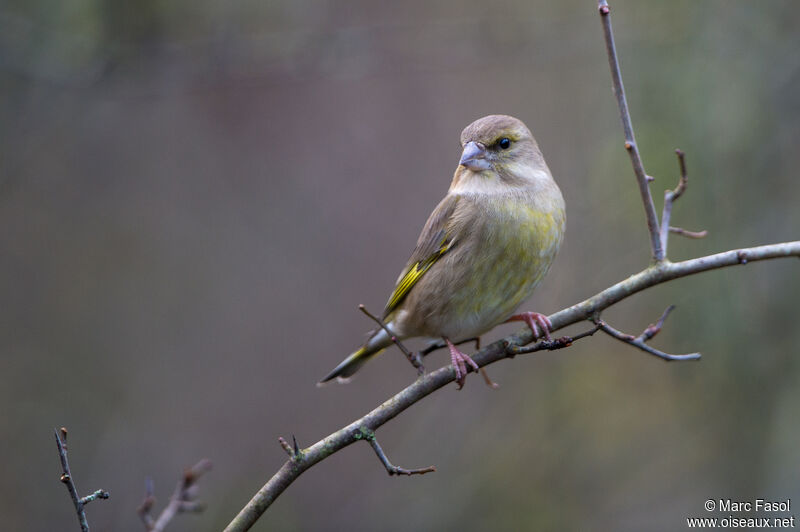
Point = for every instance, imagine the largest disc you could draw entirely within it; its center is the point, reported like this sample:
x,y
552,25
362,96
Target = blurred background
x,y
195,197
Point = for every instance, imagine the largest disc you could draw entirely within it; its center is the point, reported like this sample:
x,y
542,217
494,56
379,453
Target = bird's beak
x,y
474,157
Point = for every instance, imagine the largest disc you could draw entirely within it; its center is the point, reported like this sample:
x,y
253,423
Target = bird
x,y
482,252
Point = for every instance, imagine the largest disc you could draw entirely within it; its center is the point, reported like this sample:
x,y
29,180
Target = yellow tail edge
x,y
350,364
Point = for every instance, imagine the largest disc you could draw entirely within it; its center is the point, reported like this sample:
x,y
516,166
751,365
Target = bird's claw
x,y
460,361
537,322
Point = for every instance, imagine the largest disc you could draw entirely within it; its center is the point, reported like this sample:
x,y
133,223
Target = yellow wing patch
x,y
413,275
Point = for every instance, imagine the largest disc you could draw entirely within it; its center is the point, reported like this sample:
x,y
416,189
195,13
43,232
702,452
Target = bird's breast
x,y
504,249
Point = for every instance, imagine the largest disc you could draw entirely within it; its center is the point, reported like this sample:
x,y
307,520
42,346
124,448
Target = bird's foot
x,y
537,322
460,361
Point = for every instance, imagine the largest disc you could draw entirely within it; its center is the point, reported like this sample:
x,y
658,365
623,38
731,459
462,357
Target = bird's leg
x,y
460,361
536,322
441,345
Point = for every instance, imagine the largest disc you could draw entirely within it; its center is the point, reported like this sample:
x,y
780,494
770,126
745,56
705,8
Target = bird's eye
x,y
504,143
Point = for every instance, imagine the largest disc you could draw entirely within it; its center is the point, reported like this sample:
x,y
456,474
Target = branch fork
x,y
660,272
293,450
546,345
640,341
363,433
66,478
669,198
659,233
183,499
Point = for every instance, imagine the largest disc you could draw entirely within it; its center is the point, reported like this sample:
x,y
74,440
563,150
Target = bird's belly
x,y
511,255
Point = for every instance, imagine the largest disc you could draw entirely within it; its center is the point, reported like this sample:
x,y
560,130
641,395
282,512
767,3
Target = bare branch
x,y
292,450
147,505
549,345
414,359
688,234
182,500
656,247
286,447
369,435
639,342
669,198
430,382
654,328
66,478
660,272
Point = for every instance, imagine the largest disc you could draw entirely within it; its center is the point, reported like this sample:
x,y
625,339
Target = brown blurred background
x,y
195,196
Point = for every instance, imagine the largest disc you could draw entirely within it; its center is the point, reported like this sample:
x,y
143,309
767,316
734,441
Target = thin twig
x,y
658,273
654,328
182,500
66,478
292,450
640,341
550,345
669,198
369,435
147,504
656,248
688,234
414,359
287,447
430,382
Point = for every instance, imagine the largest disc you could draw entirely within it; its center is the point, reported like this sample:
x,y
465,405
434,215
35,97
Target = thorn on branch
x,y
488,380
66,477
182,500
367,434
485,374
413,358
640,341
292,450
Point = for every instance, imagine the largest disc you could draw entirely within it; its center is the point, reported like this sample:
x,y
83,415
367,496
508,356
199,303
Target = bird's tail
x,y
376,344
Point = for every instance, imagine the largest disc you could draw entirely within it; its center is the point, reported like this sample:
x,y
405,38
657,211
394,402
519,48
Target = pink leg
x,y
460,361
535,321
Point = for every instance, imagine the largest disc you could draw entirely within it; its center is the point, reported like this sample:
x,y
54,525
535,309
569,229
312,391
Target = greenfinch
x,y
483,250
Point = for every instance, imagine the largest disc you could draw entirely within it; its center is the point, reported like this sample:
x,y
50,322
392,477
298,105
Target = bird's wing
x,y
434,241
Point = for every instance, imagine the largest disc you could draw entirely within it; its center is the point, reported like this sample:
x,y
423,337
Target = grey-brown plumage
x,y
484,248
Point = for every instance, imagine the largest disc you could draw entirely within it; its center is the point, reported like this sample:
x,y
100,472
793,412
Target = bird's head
x,y
500,147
